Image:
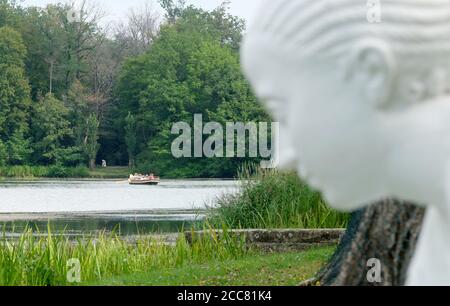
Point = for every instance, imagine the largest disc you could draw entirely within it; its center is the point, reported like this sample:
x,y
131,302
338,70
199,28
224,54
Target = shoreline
x,y
107,179
109,173
131,214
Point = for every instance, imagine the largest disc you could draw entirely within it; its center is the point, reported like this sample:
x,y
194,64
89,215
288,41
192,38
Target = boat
x,y
139,179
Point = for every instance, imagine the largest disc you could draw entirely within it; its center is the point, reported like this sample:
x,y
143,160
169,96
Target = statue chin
x,y
340,189
342,199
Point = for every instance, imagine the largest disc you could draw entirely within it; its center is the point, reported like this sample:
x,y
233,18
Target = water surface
x,y
85,206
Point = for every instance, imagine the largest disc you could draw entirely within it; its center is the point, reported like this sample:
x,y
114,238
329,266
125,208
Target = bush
x,y
273,199
57,171
78,172
70,157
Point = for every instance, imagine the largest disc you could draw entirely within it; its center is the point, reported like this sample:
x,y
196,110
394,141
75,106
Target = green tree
x,y
59,49
51,130
3,154
14,96
131,139
14,100
218,24
45,40
173,8
12,48
79,110
19,149
190,69
91,145
5,12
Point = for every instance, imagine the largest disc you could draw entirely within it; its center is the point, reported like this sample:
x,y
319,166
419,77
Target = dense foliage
x,y
72,94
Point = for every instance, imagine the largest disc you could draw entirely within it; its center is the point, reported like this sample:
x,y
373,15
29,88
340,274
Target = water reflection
x,y
92,226
87,207
127,224
98,196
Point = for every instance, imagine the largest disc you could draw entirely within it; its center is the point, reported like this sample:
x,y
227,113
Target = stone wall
x,y
277,240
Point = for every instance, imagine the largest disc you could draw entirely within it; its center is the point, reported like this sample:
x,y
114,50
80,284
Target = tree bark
x,y
51,76
92,164
386,231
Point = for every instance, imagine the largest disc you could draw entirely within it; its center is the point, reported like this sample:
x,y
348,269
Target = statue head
x,y
340,84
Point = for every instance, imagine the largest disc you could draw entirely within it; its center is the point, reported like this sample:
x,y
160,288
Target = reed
x,y
55,171
41,260
274,199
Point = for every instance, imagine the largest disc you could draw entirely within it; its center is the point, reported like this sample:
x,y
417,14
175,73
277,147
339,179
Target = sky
x,y
117,10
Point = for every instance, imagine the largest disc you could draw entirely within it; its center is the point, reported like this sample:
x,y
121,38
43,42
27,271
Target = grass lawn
x,y
288,269
110,173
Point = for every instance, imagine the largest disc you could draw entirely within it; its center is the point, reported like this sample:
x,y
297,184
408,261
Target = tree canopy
x,y
72,94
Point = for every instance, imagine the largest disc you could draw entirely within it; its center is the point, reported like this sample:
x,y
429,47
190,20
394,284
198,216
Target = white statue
x,y
365,105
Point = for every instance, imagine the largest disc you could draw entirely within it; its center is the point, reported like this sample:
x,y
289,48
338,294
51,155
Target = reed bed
x,y
55,171
42,260
274,199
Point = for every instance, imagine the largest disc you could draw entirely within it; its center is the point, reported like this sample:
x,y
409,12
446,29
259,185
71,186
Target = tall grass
x,y
42,260
23,171
274,199
54,171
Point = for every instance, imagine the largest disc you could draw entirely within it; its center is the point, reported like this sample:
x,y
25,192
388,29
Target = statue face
x,y
364,106
325,118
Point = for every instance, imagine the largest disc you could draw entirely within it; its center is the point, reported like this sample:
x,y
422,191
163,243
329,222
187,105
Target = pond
x,y
86,206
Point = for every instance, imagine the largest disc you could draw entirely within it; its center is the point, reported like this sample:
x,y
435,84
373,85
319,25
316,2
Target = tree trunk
x,y
92,164
51,77
388,232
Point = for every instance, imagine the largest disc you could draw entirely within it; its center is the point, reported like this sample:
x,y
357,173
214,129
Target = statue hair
x,y
412,30
410,26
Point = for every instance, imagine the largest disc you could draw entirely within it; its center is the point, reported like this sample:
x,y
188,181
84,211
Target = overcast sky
x,y
118,9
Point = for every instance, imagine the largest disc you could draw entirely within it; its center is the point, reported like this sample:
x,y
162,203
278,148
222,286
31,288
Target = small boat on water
x,y
139,179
